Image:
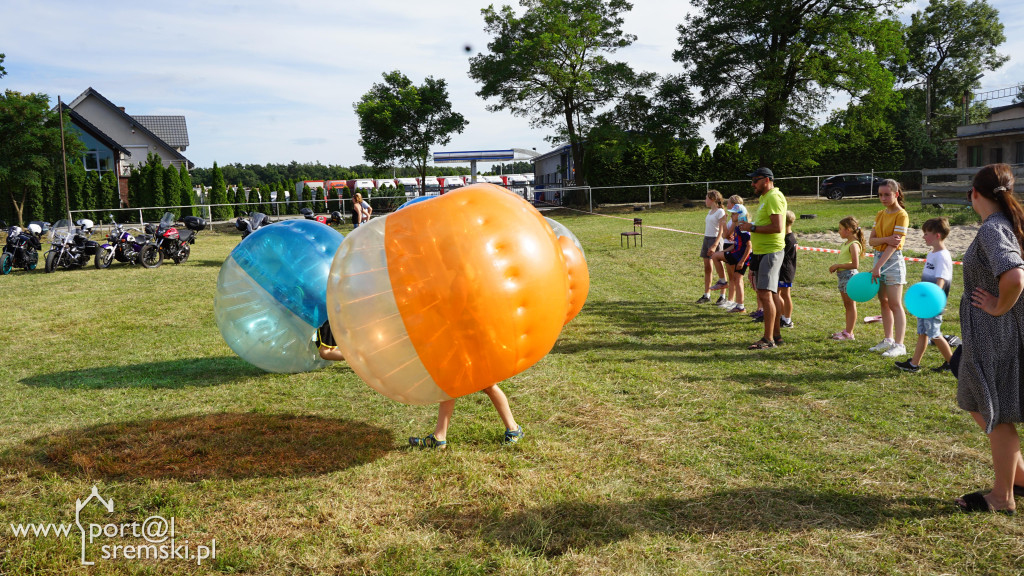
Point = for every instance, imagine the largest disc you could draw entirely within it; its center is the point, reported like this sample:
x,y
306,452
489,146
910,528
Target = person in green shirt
x,y
767,241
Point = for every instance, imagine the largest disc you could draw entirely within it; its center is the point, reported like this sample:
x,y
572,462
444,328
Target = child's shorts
x,y
894,271
709,242
844,277
734,260
930,327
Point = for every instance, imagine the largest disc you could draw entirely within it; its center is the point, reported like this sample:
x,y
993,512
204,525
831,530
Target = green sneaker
x,y
513,436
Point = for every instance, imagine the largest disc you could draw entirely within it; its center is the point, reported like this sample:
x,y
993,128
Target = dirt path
x,y
959,239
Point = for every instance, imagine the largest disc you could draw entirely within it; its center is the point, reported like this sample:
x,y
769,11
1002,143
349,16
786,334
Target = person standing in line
x,y
849,261
938,269
788,273
887,237
767,242
713,229
990,371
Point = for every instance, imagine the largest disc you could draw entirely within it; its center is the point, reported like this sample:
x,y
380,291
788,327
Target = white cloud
x,y
270,81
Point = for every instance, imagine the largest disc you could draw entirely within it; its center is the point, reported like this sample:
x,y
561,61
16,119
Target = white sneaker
x,y
730,305
883,346
896,350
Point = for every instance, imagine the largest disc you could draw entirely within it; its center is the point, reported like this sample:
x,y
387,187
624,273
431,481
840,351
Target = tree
x,y
950,44
30,152
399,122
3,72
185,191
172,189
219,195
766,67
550,64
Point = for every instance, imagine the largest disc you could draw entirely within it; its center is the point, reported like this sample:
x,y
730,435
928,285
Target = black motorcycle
x,y
173,243
22,248
70,247
122,246
248,223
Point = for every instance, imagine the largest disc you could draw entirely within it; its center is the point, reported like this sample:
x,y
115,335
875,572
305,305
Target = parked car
x,y
835,187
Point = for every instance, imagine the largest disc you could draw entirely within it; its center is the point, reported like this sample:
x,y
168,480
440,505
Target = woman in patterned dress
x,y
990,374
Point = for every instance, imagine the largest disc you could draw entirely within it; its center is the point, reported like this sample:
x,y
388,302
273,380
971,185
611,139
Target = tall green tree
x,y
219,195
767,67
400,122
172,189
30,150
551,65
950,44
185,194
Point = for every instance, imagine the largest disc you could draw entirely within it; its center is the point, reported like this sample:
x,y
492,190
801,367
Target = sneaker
x,y
703,300
897,350
721,300
738,308
883,346
944,368
729,305
786,323
952,340
906,366
720,285
513,436
756,313
759,317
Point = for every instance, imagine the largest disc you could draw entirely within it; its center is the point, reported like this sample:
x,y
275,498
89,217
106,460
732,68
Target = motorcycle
x,y
173,243
248,223
122,246
308,214
70,247
22,248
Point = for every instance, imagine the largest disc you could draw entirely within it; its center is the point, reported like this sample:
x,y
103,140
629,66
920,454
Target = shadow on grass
x,y
553,530
167,374
207,263
210,446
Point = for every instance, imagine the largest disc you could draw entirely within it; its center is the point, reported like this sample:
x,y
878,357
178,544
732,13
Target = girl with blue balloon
x,y
990,373
927,299
890,271
849,262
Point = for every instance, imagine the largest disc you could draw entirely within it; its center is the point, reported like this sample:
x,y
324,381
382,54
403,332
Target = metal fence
x,y
687,191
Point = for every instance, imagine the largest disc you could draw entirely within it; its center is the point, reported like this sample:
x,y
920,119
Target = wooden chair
x,y
638,230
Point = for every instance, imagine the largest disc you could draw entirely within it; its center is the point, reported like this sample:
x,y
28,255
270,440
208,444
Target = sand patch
x,y
960,237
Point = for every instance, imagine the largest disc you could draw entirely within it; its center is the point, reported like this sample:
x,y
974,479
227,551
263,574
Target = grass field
x,y
655,442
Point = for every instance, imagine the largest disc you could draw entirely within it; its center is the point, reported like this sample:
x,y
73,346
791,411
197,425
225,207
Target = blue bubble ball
x,y
861,287
925,300
272,295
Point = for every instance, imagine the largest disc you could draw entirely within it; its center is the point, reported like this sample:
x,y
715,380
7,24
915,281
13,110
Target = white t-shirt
x,y
712,220
938,264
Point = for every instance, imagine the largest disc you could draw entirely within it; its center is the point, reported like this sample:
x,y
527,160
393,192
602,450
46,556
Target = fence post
x,y
817,187
648,196
871,187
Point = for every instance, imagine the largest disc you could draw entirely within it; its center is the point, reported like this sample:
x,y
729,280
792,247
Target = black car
x,y
835,187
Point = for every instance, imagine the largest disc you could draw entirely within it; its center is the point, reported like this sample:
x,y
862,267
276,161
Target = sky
x,y
271,81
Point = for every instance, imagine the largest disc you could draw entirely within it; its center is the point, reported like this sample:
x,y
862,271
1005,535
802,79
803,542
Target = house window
x,y
91,160
974,156
997,155
1018,158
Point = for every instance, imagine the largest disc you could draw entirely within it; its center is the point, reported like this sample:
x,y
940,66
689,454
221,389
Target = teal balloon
x,y
925,300
861,288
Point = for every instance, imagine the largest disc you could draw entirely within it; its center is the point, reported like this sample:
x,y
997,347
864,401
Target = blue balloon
x,y
925,300
272,294
861,287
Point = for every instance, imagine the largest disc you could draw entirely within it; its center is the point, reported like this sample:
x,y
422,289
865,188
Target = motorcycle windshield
x,y
62,230
167,221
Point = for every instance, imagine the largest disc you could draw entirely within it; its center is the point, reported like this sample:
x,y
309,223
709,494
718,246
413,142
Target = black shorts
x,y
324,336
788,270
755,261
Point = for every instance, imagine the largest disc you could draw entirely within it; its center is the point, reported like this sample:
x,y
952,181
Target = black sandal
x,y
761,344
975,502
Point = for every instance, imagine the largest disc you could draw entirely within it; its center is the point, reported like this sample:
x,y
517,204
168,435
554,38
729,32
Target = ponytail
x,y
995,182
852,224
